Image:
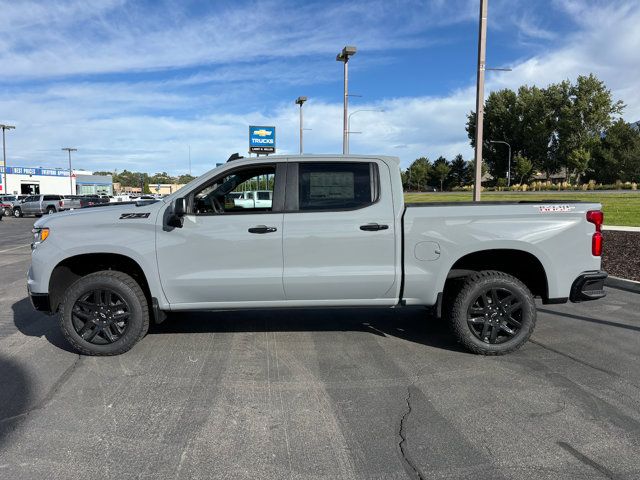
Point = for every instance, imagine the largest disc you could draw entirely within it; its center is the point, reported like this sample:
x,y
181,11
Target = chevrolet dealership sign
x,y
262,139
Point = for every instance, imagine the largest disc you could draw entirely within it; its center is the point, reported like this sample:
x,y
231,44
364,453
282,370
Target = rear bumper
x,y
588,286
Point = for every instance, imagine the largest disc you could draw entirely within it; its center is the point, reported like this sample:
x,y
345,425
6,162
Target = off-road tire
x,y
124,286
472,289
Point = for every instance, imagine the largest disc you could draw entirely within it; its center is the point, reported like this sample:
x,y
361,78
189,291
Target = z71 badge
x,y
127,216
555,208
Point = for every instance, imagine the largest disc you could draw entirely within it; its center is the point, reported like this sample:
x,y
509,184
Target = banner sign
x,y
40,172
262,139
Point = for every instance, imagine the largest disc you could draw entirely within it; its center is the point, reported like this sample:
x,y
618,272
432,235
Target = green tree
x,y
617,157
523,168
578,162
441,170
459,169
418,174
185,179
471,171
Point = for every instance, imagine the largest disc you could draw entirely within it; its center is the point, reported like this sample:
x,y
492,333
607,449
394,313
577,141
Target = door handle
x,y
262,229
373,227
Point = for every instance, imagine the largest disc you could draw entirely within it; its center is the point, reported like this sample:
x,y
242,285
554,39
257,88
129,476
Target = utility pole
x,y
300,101
4,154
343,57
482,50
69,150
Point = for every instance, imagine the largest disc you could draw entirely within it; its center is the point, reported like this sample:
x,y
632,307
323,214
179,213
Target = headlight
x,y
39,236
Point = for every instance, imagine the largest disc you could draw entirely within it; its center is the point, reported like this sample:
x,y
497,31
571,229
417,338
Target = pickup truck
x,y
253,199
337,234
39,205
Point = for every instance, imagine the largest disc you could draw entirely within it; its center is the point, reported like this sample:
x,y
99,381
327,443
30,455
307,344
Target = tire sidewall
x,y
470,293
17,213
135,326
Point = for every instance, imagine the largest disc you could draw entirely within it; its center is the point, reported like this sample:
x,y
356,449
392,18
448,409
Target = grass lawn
x,y
619,208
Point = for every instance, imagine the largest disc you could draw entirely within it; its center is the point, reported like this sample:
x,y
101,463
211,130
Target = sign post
x,y
262,139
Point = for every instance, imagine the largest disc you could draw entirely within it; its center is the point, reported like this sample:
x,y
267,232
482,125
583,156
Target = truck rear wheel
x,y
17,212
104,313
493,313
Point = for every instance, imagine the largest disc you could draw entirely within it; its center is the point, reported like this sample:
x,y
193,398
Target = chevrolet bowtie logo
x,y
262,133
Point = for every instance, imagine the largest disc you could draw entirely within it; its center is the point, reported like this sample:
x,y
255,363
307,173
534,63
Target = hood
x,y
112,213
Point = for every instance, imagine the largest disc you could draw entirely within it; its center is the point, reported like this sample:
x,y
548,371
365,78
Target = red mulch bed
x,y
621,256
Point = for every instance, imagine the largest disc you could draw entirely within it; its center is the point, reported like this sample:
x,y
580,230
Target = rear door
x,y
339,233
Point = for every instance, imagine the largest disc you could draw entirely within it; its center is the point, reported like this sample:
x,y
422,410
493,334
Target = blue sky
x,y
134,84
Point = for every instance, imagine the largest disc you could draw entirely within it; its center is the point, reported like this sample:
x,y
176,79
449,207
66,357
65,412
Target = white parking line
x,y
15,248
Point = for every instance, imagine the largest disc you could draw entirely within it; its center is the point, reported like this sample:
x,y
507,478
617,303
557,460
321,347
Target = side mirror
x,y
178,210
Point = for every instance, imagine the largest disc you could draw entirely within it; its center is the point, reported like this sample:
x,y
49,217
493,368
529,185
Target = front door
x,y
339,233
225,255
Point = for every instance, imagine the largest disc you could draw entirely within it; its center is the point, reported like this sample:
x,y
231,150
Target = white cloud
x,y
149,125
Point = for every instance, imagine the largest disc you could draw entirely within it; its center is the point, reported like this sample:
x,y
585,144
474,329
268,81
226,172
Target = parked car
x,y
71,202
5,208
39,205
253,199
338,234
12,201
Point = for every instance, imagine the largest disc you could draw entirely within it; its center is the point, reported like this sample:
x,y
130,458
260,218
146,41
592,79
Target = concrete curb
x,y
623,284
616,228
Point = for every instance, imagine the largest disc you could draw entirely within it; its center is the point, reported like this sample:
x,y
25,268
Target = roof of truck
x,y
329,156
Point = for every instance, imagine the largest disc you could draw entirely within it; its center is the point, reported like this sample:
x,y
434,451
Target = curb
x,y
623,284
616,228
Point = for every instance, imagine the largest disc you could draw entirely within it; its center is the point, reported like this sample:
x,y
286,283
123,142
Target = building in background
x,y
89,184
38,180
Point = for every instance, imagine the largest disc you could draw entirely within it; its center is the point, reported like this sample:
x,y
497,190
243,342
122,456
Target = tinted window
x,y
51,197
335,185
32,198
264,195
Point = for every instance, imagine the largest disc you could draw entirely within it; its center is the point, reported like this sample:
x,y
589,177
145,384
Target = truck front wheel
x,y
493,313
104,313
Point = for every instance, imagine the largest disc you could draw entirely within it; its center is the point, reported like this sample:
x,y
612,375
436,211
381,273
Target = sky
x,y
135,84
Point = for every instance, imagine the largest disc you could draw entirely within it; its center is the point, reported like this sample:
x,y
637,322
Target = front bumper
x,y
588,286
40,302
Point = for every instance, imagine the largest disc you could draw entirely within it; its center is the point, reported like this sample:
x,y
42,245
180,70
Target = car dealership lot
x,y
317,394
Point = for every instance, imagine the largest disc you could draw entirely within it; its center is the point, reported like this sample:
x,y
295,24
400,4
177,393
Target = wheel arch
x,y
67,271
519,263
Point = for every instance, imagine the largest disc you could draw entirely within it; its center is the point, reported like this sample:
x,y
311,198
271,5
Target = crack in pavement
x,y
414,472
64,378
587,461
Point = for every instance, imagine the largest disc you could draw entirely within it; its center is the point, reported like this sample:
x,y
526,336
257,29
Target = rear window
x,y
264,195
48,198
335,186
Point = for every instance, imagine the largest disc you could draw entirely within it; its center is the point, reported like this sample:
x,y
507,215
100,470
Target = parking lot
x,y
310,394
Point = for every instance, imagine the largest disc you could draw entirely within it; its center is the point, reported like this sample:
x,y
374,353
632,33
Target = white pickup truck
x,y
336,234
253,199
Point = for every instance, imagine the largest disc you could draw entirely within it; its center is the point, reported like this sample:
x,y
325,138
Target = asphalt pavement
x,y
317,394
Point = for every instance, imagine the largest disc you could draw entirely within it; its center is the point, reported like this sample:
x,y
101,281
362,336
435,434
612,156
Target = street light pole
x,y
482,46
4,154
69,150
509,167
300,101
349,132
343,56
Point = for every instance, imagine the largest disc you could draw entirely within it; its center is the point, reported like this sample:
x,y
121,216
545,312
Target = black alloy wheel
x,y
104,313
101,316
495,316
492,313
